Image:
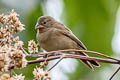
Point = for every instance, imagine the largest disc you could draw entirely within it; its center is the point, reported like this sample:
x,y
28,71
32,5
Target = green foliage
x,y
94,21
32,19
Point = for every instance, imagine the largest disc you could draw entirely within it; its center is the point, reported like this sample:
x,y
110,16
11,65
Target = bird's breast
x,y
55,41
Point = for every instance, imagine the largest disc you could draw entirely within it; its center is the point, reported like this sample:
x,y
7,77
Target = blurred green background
x,y
92,21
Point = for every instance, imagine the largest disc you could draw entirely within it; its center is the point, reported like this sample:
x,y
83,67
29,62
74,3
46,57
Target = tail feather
x,y
89,62
95,63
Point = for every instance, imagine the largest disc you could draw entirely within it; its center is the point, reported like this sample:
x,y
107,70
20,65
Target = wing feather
x,y
67,32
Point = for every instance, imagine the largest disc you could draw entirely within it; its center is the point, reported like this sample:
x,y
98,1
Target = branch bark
x,y
75,57
60,52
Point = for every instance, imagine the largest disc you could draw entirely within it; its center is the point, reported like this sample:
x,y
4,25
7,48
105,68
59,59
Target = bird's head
x,y
45,22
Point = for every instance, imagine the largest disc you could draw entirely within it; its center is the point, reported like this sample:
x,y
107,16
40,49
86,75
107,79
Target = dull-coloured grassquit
x,y
53,35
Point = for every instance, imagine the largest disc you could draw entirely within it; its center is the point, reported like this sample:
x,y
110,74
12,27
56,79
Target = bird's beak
x,y
38,26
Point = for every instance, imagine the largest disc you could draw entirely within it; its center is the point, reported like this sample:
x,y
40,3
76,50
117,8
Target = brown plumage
x,y
53,35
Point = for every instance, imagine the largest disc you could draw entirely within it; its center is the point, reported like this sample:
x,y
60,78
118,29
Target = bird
x,y
53,35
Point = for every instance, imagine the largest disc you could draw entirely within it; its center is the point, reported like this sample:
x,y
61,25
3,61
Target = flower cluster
x,y
40,74
18,59
32,47
11,52
14,77
12,20
4,59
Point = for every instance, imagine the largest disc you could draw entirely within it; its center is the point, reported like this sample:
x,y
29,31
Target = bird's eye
x,y
44,22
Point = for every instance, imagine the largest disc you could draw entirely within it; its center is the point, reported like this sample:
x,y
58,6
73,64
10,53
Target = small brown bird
x,y
53,35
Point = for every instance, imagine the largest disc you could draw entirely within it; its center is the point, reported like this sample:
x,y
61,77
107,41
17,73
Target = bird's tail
x,y
89,63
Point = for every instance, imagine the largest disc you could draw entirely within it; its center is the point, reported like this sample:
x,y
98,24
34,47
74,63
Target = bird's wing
x,y
67,32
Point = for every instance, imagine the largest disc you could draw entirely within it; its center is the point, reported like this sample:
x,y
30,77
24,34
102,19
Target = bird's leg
x,y
45,56
45,62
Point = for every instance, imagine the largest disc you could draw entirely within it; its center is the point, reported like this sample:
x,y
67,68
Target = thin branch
x,y
114,73
24,51
66,54
77,57
55,64
57,54
74,50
